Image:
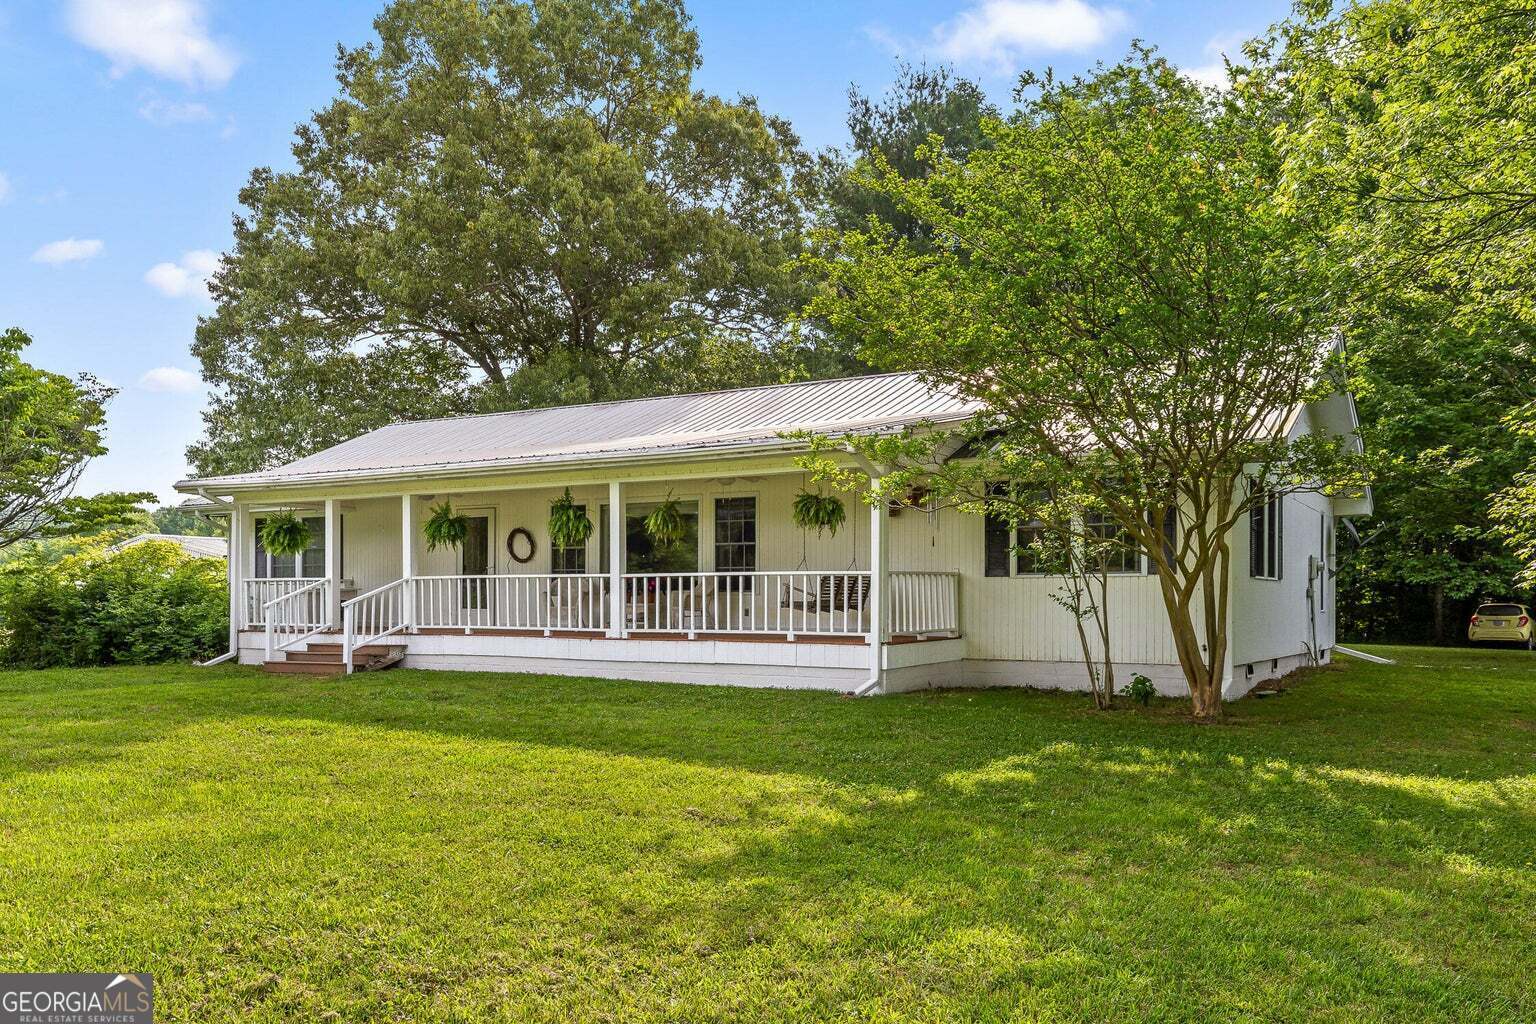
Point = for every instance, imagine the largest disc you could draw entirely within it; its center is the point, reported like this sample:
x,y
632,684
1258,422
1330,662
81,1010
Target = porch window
x,y
642,554
568,561
736,539
310,564
1266,536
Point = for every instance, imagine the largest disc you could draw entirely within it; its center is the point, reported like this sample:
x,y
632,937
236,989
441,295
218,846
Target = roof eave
x,y
436,471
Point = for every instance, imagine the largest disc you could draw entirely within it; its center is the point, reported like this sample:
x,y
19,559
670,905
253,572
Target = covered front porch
x,y
745,590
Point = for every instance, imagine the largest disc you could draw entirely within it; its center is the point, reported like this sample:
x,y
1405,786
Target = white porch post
x,y
333,562
877,591
615,559
408,558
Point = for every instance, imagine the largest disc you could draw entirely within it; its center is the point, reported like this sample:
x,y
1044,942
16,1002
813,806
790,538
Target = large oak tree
x,y
508,204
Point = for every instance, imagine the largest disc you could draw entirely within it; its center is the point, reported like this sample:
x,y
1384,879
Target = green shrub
x,y
148,603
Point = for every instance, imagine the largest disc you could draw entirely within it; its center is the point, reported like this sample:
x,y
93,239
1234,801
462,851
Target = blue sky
x,y
128,126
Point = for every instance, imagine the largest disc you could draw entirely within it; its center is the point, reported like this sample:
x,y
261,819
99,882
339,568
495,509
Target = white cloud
x,y
160,111
1002,32
168,38
188,276
170,379
5,188
68,250
1214,71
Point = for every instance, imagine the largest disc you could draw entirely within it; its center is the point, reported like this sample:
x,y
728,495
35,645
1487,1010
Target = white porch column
x,y
877,588
333,562
408,557
615,559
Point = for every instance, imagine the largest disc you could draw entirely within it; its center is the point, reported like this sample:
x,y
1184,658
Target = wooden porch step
x,y
325,660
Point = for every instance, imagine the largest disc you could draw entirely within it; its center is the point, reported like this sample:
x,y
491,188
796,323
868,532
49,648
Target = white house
x,y
895,600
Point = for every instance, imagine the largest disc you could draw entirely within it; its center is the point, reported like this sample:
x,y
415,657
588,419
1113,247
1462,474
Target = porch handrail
x,y
923,602
829,602
374,614
262,589
522,601
288,623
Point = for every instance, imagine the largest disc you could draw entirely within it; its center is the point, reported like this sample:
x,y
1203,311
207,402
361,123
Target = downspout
x,y
876,595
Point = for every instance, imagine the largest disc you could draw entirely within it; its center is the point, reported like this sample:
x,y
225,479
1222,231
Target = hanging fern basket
x,y
569,525
444,528
665,524
823,513
283,533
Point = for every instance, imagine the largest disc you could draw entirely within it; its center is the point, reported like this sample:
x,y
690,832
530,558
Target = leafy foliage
x,y
1136,314
50,429
569,524
147,603
284,533
664,524
173,520
1411,130
445,528
508,205
823,513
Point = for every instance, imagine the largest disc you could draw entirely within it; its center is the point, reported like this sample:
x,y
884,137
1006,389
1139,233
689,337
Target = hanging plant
x,y
823,513
283,533
444,528
569,525
665,523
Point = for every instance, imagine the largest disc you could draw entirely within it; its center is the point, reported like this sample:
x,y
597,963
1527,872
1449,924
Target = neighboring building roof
x,y
720,421
197,547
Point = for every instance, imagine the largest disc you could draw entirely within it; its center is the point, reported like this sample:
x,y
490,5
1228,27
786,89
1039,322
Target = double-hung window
x,y
1111,545
1016,550
736,540
1266,536
310,564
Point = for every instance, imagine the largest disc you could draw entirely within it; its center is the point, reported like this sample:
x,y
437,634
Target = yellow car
x,y
1501,622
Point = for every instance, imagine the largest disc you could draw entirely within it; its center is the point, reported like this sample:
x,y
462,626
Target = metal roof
x,y
639,429
197,547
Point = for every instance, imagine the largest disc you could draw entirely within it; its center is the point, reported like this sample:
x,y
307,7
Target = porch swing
x,y
831,592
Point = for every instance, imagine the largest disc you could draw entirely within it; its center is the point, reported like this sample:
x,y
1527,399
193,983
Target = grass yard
x,y
428,846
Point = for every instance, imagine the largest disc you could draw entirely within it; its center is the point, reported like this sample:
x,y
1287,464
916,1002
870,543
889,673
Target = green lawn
x,y
432,846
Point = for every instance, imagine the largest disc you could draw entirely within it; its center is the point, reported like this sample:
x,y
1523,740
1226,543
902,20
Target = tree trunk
x,y
1439,606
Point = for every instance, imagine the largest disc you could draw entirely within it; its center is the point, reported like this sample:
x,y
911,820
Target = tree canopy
x,y
50,429
508,204
1412,130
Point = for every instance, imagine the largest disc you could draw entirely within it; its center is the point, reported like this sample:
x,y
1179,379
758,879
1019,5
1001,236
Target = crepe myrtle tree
x,y
1137,317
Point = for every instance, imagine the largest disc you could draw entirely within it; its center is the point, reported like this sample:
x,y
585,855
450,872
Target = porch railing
x,y
797,603
370,617
295,615
258,593
558,601
793,603
923,603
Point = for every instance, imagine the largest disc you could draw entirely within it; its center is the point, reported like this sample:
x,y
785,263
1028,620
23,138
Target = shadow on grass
x,y
1368,832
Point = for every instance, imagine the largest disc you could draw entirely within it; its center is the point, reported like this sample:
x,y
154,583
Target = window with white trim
x,y
282,567
1266,536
